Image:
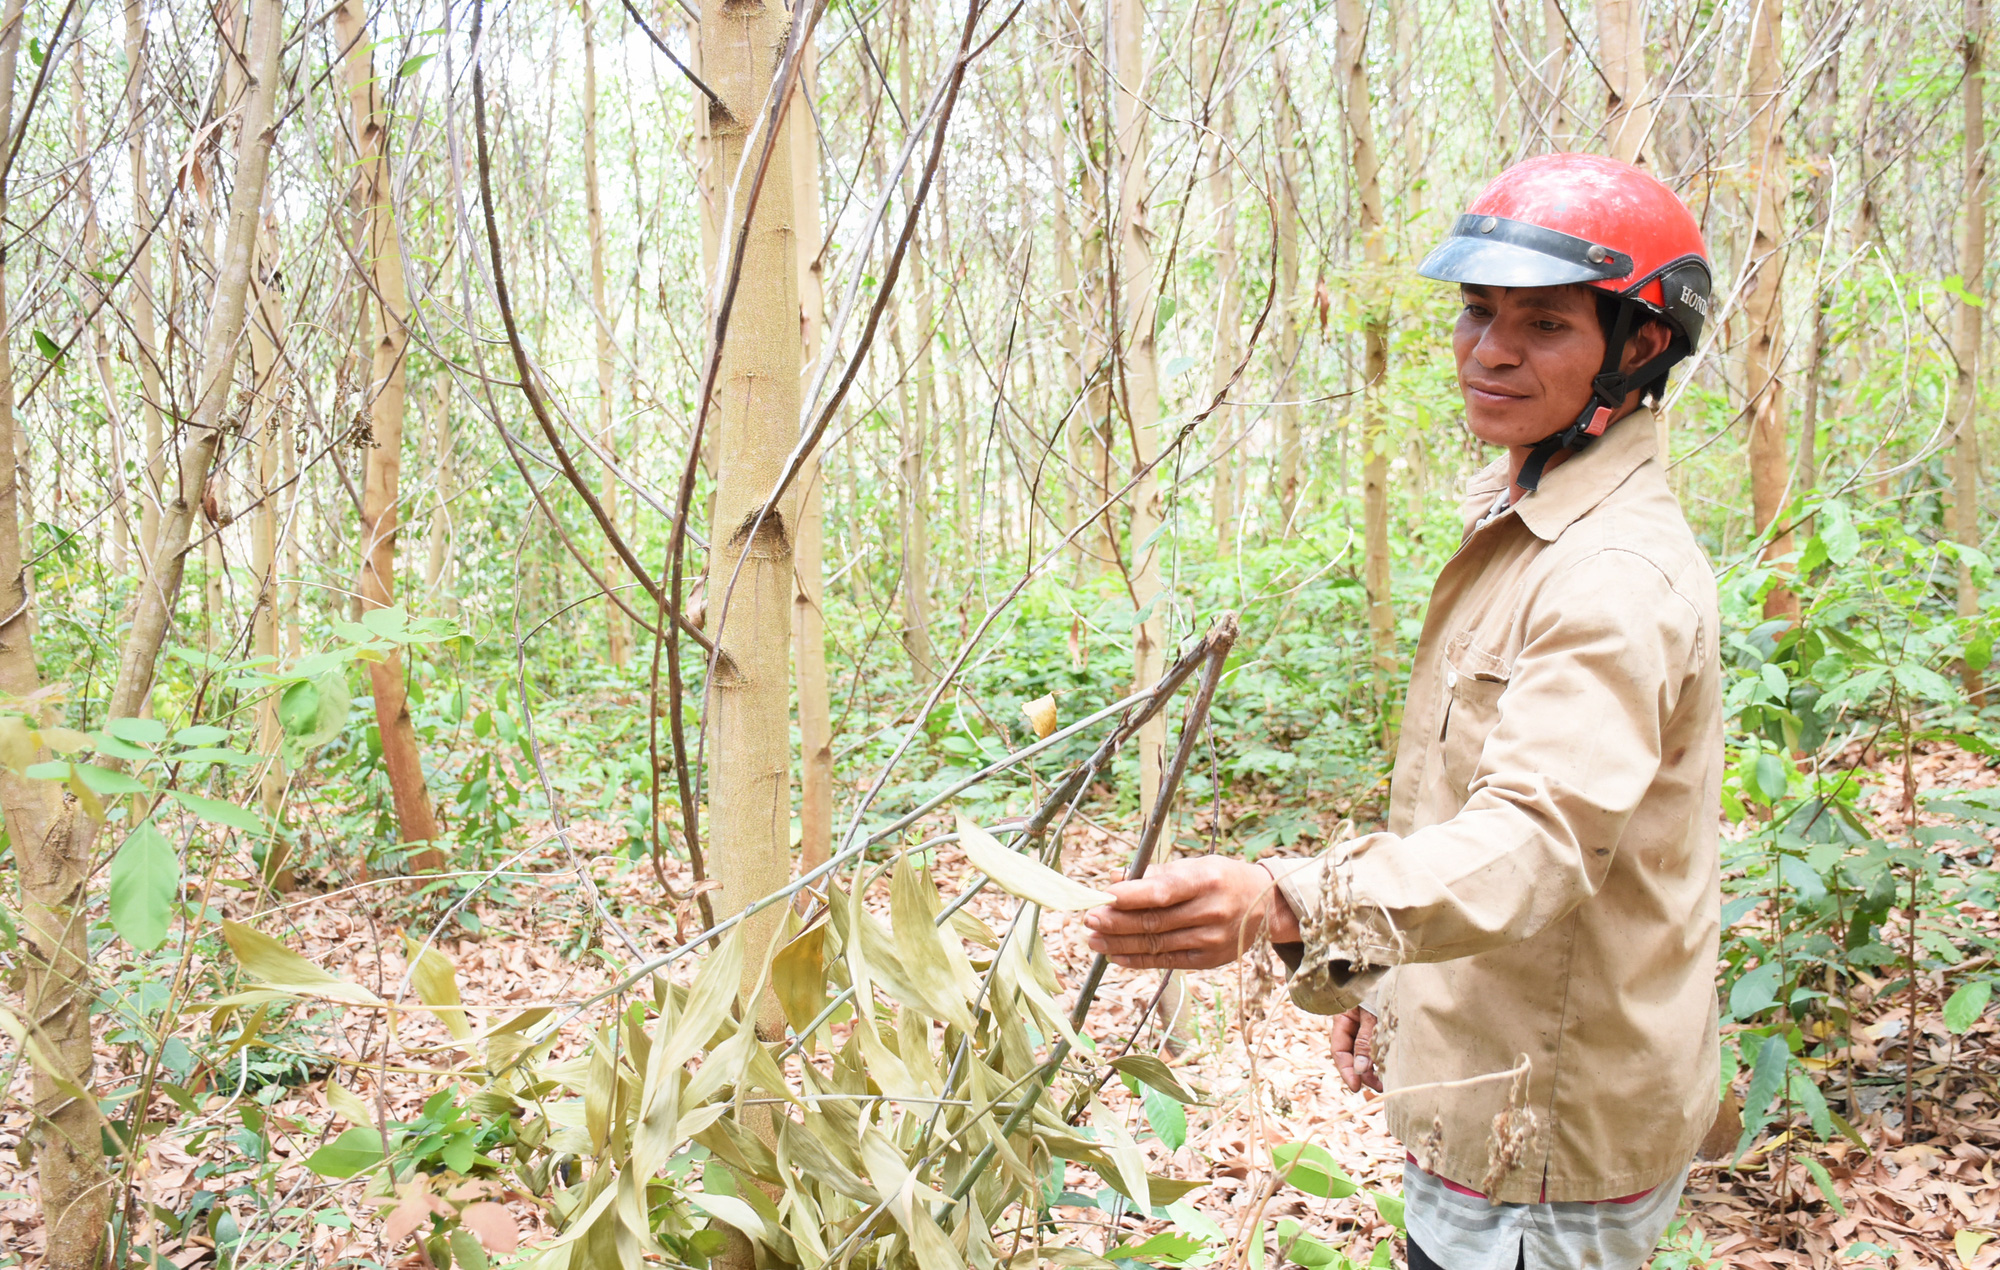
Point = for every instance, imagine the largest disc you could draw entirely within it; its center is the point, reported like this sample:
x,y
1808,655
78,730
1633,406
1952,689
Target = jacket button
x,y
1451,679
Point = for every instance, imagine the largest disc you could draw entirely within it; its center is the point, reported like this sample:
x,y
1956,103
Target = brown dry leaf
x,y
493,1224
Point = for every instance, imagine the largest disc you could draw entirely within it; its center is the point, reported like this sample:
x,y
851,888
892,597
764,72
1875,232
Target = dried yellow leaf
x,y
1041,714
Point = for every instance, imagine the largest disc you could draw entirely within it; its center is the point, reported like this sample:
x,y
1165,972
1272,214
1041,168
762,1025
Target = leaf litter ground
x,y
1921,1195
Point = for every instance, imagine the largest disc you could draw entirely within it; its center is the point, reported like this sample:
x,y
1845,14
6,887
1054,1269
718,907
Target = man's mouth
x,y
1492,392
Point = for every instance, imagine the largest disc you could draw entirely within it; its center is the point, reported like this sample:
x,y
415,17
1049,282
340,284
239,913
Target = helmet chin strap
x,y
1607,396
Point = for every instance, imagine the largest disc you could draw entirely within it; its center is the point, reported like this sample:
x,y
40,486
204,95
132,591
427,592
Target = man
x,y
1536,930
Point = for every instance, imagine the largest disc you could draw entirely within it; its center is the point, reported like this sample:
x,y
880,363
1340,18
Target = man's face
x,y
1526,356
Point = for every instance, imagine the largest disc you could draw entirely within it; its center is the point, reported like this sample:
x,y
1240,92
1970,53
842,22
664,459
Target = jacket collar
x,y
1572,488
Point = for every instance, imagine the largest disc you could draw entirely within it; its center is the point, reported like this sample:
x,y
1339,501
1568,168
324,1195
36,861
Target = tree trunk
x,y
1770,468
1505,140
914,394
617,637
99,347
52,840
388,302
1628,112
1137,284
267,438
1826,99
1101,542
1073,316
750,575
1967,330
1288,294
1228,283
1353,74
138,297
1555,64
808,617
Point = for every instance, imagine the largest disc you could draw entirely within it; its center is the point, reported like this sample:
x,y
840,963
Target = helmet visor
x,y
1493,251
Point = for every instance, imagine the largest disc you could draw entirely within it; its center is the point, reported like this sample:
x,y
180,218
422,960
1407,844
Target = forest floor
x,y
1913,1196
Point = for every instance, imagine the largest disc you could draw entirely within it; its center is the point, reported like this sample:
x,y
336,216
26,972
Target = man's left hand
x,y
1190,915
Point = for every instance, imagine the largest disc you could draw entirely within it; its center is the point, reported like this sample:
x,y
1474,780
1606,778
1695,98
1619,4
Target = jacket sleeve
x,y
1575,746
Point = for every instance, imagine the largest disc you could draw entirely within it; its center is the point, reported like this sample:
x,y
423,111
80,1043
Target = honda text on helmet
x,y
1582,218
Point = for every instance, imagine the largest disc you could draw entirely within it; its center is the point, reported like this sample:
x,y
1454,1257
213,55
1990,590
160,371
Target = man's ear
x,y
1644,344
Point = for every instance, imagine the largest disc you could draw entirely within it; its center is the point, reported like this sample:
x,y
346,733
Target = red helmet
x,y
1583,218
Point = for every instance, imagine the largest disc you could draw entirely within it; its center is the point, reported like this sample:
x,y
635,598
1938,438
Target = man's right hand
x,y
1354,1049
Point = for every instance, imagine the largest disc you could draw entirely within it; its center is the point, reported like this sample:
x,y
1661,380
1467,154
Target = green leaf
x,y
1391,1208
1301,1249
47,347
1767,1078
1770,776
102,780
1825,1181
1149,1070
411,65
1022,876
353,1151
1807,1095
1836,529
1754,992
1967,1005
217,812
138,731
1166,1248
1979,649
200,734
1310,1168
1165,1115
313,711
145,881
298,708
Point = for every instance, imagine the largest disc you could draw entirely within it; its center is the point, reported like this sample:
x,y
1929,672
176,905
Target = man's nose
x,y
1495,350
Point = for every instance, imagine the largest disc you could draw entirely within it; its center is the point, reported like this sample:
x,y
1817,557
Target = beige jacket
x,y
1548,886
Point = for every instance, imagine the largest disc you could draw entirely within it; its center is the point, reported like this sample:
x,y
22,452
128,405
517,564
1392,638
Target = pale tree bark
x,y
1825,100
387,301
52,839
1865,229
1100,544
267,438
1554,66
1352,72
617,638
1070,330
97,344
1968,329
1288,293
1137,285
914,396
1763,380
1621,46
1228,348
138,299
808,617
750,563
1504,138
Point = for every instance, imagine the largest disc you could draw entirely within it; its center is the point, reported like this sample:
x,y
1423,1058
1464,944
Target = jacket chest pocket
x,y
1474,681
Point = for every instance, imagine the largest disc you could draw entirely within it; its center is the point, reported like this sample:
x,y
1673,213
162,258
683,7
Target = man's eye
x,y
1550,325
